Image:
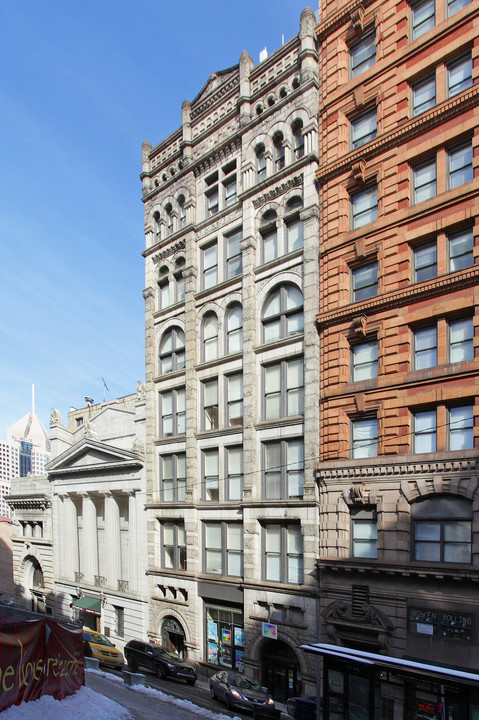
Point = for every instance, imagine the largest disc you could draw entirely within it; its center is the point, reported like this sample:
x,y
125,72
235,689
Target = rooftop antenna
x,y
105,387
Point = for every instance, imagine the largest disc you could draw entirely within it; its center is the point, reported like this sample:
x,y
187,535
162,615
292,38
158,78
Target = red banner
x,y
38,658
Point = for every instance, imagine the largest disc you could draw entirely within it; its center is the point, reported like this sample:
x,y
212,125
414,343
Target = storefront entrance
x,y
280,670
173,636
224,637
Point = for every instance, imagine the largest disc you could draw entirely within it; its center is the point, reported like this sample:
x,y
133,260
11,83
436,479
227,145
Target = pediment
x,y
215,80
90,453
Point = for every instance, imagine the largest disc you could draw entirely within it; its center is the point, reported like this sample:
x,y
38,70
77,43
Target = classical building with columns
x,y
231,293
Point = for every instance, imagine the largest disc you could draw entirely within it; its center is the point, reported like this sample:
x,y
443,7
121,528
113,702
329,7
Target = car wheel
x,y
160,672
212,693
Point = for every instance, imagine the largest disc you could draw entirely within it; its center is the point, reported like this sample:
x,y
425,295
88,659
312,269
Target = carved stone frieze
x,y
342,612
275,192
171,250
219,223
354,472
213,97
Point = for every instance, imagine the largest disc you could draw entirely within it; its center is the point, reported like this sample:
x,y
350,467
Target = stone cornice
x,y
277,191
391,467
416,126
220,155
28,502
207,104
342,17
440,572
97,468
406,296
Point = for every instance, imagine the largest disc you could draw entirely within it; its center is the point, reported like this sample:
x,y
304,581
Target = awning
x,y
88,604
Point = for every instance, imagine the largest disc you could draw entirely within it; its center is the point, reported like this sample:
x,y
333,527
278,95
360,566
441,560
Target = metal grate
x,y
360,598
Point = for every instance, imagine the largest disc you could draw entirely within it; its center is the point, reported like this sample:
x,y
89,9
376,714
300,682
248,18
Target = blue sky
x,y
82,86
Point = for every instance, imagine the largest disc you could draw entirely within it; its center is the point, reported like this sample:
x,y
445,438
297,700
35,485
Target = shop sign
x,y
446,624
269,631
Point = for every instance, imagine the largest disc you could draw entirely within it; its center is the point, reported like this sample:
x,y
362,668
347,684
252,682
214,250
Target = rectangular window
x,y
425,348
235,399
459,75
283,469
164,294
234,262
283,548
460,168
461,428
209,257
173,412
212,204
461,340
119,620
424,180
363,54
423,95
364,206
174,546
422,17
234,472
270,244
230,191
283,389
211,480
424,437
453,6
364,438
363,128
425,261
442,541
364,360
294,235
173,477
461,250
365,281
210,400
224,548
364,533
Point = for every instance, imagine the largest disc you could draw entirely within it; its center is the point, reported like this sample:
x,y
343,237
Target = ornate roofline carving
x,y
211,100
387,467
180,245
278,190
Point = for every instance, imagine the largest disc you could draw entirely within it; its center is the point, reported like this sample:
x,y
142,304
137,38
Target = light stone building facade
x,y
232,370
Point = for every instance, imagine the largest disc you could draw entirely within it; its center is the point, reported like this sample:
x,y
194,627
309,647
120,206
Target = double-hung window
x,y
283,552
363,128
164,293
283,313
234,472
172,351
173,477
425,348
459,74
173,546
172,412
212,195
363,54
423,95
223,548
424,180
364,281
425,431
269,236
364,206
442,529
461,340
364,533
425,261
211,479
422,17
234,329
234,259
283,469
364,360
283,389
210,337
453,6
294,235
460,168
461,249
461,427
234,392
364,437
261,162
209,265
210,404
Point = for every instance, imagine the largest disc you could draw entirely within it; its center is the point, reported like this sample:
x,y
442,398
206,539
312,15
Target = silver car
x,y
238,691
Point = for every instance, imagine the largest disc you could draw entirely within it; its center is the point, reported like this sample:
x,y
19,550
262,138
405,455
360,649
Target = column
x,y
112,541
90,540
71,537
134,560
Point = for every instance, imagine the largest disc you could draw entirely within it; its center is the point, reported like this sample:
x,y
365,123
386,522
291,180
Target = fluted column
x,y
112,541
90,540
71,538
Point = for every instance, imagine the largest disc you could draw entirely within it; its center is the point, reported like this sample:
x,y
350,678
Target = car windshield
x,y
244,683
168,655
97,639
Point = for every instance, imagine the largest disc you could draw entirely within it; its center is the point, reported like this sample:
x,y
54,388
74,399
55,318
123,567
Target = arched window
x,y
261,162
172,351
181,211
282,313
210,337
297,128
156,218
169,219
294,226
269,235
234,329
442,529
278,141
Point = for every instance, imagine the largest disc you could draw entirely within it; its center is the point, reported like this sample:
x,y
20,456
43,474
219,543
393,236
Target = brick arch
x,y
418,489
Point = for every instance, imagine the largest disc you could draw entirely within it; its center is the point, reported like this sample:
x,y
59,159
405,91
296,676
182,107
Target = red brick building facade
x,y
399,470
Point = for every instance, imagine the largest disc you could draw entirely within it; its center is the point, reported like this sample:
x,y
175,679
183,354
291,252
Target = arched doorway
x,y
173,636
280,670
34,585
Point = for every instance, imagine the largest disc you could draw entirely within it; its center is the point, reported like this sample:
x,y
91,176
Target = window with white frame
x,y
234,260
425,347
269,236
298,139
210,337
210,404
163,290
363,128
169,219
172,351
362,54
364,360
279,156
423,17
294,234
172,412
282,313
424,175
424,431
425,261
223,542
423,95
364,433
461,427
364,533
181,211
221,189
234,329
461,249
209,265
173,545
283,389
461,340
460,168
364,206
459,74
364,281
453,6
261,168
283,553
211,477
212,194
442,529
234,472
173,477
283,463
234,399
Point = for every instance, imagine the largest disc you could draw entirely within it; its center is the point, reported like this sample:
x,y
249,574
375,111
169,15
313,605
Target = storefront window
x,y
224,638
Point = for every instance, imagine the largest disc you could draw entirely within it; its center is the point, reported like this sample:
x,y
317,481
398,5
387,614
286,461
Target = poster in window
x,y
225,658
226,636
239,660
212,631
239,636
213,653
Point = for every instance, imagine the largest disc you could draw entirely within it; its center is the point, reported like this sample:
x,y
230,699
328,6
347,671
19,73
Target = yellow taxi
x,y
103,649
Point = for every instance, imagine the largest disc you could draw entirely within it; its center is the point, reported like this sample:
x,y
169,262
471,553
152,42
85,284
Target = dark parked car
x,y
159,660
238,691
302,708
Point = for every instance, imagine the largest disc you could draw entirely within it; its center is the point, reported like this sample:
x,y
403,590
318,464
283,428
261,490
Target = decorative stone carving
x,y
55,418
357,19
359,169
138,448
140,390
356,493
360,324
180,245
277,191
89,429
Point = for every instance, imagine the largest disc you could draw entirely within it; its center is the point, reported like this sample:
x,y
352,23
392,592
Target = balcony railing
x,y
122,585
100,581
